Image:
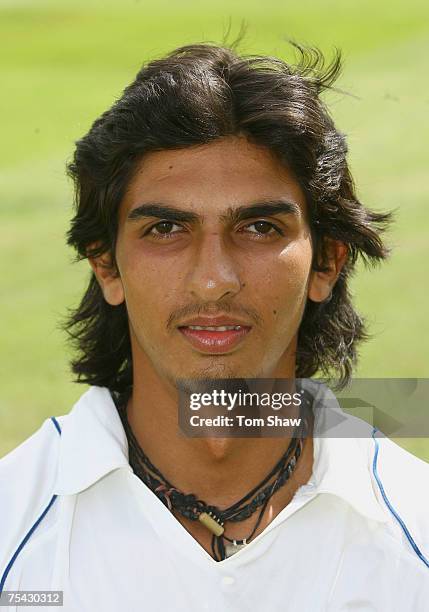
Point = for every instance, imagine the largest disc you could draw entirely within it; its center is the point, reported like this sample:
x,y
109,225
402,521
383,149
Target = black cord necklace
x,y
212,517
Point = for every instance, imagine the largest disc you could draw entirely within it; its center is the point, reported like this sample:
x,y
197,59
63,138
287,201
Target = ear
x,y
322,283
108,278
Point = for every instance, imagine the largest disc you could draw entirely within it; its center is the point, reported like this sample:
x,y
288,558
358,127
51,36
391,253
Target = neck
x,y
217,470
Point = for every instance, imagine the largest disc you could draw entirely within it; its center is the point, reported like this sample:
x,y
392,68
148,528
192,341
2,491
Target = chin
x,y
216,370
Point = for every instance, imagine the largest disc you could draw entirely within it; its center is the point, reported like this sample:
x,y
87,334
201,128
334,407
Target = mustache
x,y
212,309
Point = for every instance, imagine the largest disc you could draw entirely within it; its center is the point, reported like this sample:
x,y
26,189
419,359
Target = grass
x,y
62,64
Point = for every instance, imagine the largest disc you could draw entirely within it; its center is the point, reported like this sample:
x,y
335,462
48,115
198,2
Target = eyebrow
x,y
232,215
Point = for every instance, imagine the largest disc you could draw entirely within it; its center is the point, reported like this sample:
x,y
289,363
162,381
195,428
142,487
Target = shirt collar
x,y
343,453
94,443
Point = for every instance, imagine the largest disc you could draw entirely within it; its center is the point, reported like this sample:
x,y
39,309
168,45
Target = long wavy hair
x,y
193,96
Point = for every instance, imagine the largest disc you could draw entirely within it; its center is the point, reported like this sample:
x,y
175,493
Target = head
x,y
216,191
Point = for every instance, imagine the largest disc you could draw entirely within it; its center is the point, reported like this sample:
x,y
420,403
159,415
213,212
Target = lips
x,y
215,339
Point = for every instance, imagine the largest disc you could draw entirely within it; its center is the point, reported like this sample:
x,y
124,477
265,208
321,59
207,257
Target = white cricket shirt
x,y
74,517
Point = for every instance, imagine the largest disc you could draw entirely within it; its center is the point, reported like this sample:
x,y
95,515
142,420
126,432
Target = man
x,y
218,214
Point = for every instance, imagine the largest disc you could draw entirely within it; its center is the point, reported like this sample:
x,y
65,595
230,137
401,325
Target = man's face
x,y
211,261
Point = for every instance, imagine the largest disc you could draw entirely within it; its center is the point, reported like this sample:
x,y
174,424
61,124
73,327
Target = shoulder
x,y
402,483
27,476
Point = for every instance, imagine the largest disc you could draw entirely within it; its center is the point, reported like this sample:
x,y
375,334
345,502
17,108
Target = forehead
x,y
211,178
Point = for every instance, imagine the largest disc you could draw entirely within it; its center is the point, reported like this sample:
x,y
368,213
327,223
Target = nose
x,y
213,274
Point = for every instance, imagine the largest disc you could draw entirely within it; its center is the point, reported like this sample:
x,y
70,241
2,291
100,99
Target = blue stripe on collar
x,y
32,528
389,505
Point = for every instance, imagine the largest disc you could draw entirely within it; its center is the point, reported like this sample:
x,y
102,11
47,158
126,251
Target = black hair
x,y
195,95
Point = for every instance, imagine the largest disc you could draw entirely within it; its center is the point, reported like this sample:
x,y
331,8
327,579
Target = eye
x,y
162,230
263,228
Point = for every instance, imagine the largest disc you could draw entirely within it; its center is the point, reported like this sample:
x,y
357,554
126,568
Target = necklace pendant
x,y
232,547
211,524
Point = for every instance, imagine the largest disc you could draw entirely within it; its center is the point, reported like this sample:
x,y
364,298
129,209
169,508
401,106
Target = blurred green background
x,y
64,62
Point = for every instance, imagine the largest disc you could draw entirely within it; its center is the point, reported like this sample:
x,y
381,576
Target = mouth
x,y
214,339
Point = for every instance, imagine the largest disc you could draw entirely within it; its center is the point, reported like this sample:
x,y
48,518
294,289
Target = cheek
x,y
293,266
287,282
149,294
139,282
